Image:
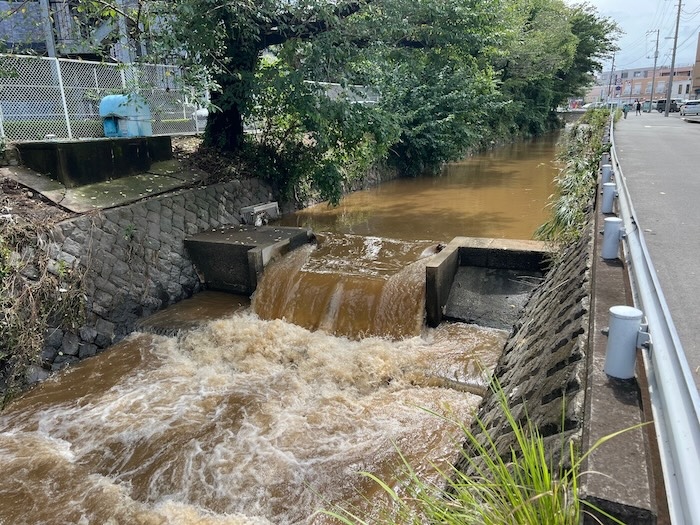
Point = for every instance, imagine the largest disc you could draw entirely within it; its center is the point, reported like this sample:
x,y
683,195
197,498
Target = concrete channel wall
x,y
551,373
135,263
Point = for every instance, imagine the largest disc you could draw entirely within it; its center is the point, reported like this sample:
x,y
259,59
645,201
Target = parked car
x,y
661,105
691,107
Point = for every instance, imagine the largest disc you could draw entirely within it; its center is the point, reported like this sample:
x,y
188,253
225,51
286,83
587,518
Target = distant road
x,y
660,158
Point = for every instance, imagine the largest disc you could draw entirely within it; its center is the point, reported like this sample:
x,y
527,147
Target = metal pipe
x,y
66,115
609,194
611,237
606,173
621,349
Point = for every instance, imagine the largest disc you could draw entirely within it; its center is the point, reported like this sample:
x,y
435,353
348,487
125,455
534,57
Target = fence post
x,y
609,191
621,349
611,237
63,97
2,128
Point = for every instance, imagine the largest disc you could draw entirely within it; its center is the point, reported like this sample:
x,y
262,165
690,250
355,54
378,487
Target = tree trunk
x,y
224,129
225,124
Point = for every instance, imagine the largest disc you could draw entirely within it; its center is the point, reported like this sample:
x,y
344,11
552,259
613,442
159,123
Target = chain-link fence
x,y
60,98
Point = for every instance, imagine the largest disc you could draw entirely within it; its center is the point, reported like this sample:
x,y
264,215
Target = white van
x,y
691,107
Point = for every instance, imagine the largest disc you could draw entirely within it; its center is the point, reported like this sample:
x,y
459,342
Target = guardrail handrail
x,y
674,396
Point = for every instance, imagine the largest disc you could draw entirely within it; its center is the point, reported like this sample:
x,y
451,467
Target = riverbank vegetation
x,y
579,154
35,291
331,88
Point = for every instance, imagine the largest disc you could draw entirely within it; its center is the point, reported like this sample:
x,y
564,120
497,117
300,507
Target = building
x,y
628,85
58,28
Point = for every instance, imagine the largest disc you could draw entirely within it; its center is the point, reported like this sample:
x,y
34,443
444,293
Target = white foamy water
x,y
244,421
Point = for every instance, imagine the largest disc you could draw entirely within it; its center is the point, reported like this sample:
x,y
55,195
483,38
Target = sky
x,y
639,19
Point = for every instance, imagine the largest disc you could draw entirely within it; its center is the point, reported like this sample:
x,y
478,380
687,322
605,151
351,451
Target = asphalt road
x,y
660,159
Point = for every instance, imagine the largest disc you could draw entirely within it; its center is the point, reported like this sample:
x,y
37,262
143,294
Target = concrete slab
x,y
490,297
232,258
80,162
161,177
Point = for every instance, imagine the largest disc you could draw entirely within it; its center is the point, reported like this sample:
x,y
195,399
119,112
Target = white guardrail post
x,y
59,77
674,397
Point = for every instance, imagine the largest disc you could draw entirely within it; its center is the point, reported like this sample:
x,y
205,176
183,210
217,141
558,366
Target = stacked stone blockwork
x,y
542,370
134,263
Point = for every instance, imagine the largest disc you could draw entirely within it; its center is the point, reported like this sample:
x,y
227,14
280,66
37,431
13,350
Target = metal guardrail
x,y
674,397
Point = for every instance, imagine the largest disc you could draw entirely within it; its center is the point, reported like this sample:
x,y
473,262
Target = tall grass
x,y
524,488
579,155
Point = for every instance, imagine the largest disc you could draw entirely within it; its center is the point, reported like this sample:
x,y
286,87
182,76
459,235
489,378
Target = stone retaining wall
x,y
542,370
134,262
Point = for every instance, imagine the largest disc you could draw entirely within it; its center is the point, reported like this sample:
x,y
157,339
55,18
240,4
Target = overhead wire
x,y
633,48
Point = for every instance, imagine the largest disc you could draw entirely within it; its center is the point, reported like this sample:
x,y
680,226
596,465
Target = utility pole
x,y
673,61
612,69
47,19
653,74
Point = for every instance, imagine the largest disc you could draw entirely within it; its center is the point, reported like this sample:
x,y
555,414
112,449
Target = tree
x,y
550,56
453,74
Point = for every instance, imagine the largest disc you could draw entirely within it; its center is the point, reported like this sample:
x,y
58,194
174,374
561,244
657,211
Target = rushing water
x,y
245,417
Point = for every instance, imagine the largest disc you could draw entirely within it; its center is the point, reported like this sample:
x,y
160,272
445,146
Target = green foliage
x,y
550,57
313,144
579,155
452,75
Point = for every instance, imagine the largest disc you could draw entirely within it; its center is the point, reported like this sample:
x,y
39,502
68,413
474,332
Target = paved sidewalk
x,y
660,158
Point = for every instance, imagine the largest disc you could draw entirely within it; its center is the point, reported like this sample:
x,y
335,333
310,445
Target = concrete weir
x,y
232,258
483,281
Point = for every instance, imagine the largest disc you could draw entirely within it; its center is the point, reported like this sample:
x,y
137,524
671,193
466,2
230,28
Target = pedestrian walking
x,y
638,108
625,109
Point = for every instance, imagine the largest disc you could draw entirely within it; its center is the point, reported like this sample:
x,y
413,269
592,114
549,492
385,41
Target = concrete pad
x,y
162,177
232,258
490,297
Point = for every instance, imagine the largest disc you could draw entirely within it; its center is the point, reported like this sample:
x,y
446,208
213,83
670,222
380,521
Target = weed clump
x,y
36,293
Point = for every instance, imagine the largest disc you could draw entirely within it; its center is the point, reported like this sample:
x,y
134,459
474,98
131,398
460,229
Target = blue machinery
x,y
125,116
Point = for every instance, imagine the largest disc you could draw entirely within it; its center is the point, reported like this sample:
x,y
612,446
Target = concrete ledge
x,y
618,477
495,254
231,259
439,275
76,163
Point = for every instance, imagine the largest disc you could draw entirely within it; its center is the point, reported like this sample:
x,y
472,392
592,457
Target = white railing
x,y
674,397
60,97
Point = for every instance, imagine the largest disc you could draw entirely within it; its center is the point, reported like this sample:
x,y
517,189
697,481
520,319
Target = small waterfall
x,y
349,286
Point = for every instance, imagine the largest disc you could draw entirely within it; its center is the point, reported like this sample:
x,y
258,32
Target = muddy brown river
x,y
265,413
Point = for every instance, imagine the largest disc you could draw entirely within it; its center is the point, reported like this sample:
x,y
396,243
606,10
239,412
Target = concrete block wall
x,y
542,370
551,372
134,261
24,26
